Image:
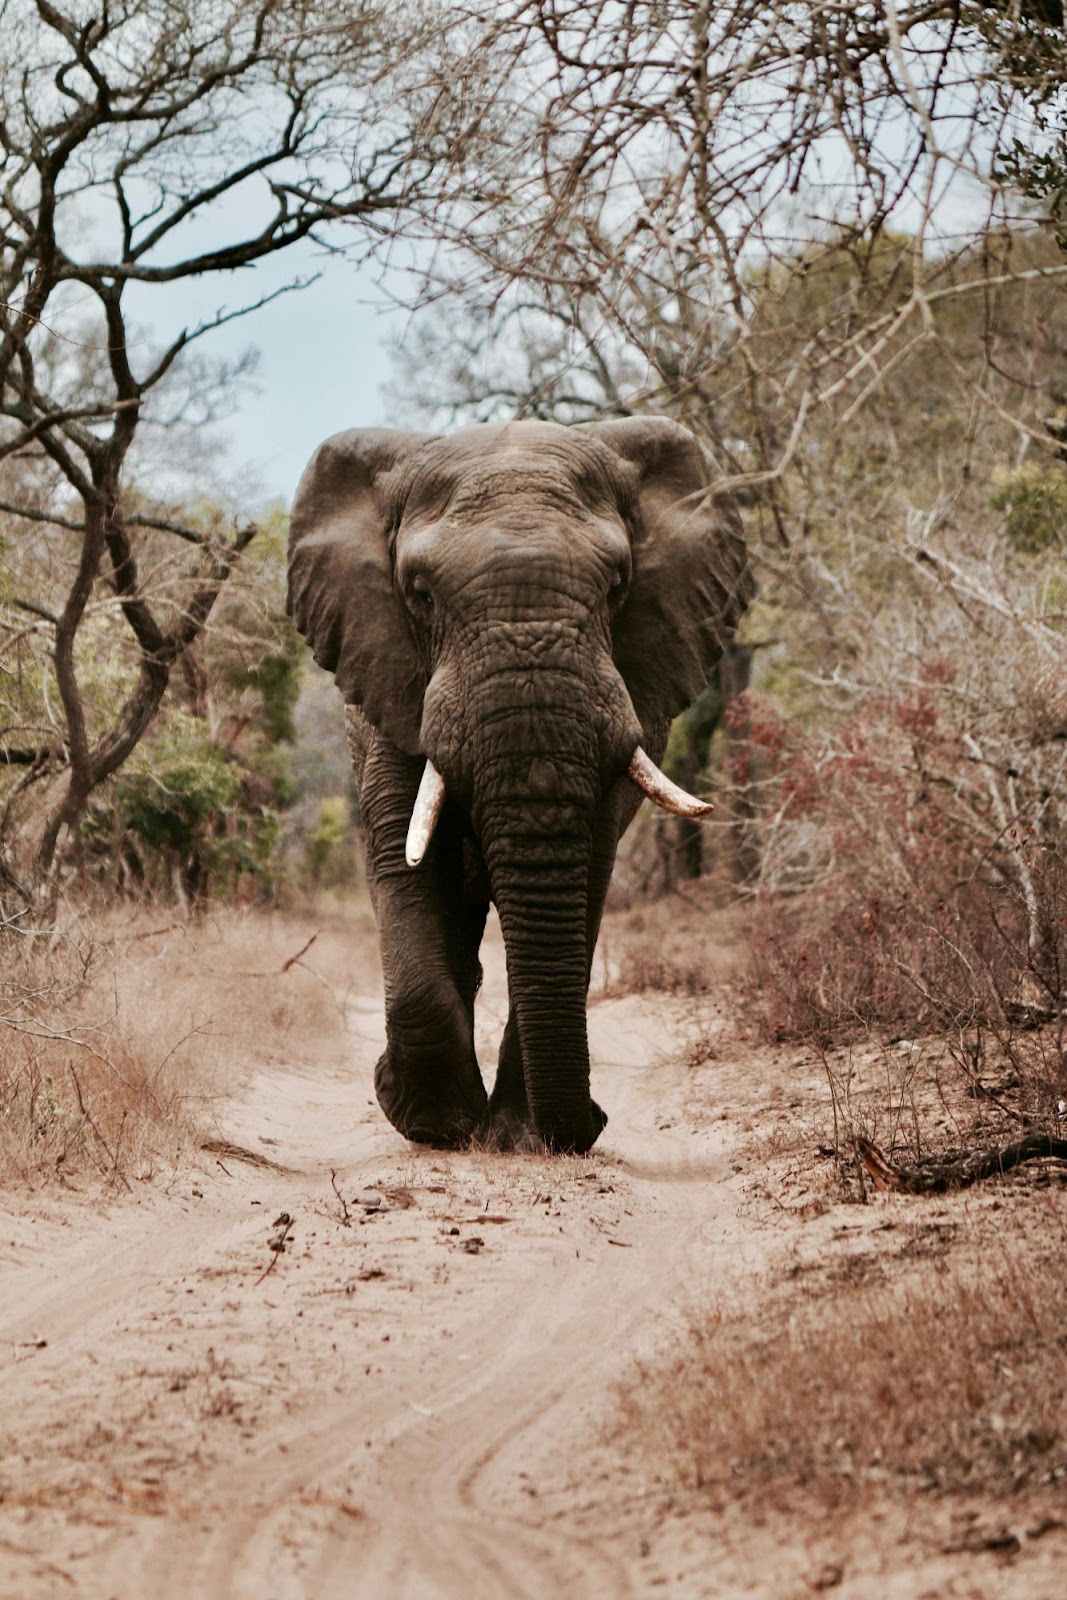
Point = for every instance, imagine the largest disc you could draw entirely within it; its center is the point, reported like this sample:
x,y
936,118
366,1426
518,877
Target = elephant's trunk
x,y
541,898
532,770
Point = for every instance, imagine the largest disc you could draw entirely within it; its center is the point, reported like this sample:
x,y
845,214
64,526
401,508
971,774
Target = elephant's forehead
x,y
513,461
489,438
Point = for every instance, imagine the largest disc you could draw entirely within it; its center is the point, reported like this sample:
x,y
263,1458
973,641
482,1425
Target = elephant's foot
x,y
510,1131
513,1127
447,1109
567,1134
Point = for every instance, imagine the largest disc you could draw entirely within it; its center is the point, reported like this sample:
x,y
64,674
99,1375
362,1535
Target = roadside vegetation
x,y
926,1366
119,1042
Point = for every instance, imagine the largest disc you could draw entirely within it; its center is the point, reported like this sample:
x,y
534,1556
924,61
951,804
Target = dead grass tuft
x,y
953,1378
642,971
115,1041
681,944
86,1084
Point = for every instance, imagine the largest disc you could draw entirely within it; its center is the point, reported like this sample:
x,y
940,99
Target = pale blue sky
x,y
323,358
324,355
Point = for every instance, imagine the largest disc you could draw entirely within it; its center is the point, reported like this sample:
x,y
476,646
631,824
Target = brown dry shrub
x,y
644,971
927,890
87,1083
676,945
117,1040
952,1378
915,910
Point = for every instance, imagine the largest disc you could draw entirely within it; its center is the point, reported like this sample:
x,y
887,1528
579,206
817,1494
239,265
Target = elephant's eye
x,y
419,590
617,586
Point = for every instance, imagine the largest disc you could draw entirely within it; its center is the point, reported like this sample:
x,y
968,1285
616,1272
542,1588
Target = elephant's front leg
x,y
427,1081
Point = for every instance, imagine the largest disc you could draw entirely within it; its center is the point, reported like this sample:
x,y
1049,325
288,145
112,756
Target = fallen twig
x,y
345,1217
936,1177
292,961
277,1244
237,1152
147,933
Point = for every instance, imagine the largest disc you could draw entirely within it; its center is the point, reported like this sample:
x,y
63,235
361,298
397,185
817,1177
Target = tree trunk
x,y
31,832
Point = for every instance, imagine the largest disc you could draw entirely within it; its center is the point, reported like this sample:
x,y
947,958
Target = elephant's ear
x,y
691,579
341,592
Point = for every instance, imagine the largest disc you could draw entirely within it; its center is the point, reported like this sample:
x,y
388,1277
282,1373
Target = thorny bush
x,y
927,903
928,868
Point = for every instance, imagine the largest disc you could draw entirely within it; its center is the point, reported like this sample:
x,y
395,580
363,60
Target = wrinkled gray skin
x,y
524,605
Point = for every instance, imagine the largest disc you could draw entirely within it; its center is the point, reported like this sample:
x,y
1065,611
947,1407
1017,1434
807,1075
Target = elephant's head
x,y
526,606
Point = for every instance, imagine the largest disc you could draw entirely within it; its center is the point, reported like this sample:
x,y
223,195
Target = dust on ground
x,y
313,1360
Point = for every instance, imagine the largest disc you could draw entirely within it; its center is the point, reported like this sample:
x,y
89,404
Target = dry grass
x,y
84,1085
923,1102
945,1374
930,1092
115,1042
682,944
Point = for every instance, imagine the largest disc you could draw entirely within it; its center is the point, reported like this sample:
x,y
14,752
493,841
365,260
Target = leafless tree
x,y
654,197
144,143
829,238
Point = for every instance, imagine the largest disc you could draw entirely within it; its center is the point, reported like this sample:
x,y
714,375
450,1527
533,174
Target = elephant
x,y
513,614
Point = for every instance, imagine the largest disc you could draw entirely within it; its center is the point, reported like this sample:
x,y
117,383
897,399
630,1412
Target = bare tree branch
x,y
205,141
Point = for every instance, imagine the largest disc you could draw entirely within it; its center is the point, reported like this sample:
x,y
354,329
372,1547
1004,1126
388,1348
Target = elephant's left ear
x,y
691,578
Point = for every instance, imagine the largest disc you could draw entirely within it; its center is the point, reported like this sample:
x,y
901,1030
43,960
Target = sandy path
x,y
391,1408
410,1403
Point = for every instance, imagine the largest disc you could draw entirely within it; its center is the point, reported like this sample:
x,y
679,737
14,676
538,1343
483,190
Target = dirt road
x,y
390,1406
411,1400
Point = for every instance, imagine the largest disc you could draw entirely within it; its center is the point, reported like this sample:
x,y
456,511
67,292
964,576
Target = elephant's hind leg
x,y
511,1123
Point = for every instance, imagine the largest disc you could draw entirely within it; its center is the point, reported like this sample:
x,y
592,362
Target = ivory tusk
x,y
424,814
658,787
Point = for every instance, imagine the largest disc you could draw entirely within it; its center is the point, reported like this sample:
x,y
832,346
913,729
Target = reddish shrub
x,y
905,884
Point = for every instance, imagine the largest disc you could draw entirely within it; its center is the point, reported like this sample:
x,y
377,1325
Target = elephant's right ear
x,y
341,592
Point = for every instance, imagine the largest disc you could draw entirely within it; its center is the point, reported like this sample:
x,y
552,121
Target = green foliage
x,y
174,786
1031,51
1034,502
185,812
254,660
198,809
1041,175
275,677
691,734
328,838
